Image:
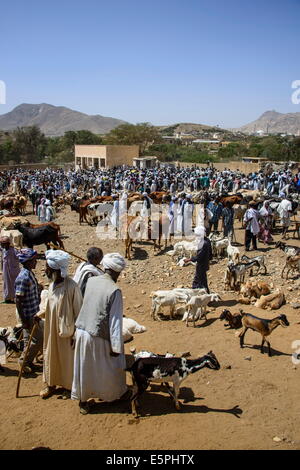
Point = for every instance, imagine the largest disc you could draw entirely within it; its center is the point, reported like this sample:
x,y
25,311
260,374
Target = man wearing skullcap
x,y
10,269
88,268
99,361
27,302
60,312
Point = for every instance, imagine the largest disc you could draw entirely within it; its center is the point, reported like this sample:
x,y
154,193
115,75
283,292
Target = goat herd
x,y
191,304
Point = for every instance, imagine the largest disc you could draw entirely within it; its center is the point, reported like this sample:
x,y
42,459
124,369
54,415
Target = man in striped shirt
x,y
27,303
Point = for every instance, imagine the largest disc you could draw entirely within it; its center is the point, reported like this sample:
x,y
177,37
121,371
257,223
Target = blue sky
x,y
218,62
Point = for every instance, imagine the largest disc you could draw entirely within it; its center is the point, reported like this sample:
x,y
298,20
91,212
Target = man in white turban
x,y
99,361
60,311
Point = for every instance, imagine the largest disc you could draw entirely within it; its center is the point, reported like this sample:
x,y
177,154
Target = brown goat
x,y
234,320
255,289
271,301
262,326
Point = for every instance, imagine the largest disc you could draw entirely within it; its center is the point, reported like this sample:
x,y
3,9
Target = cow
x,y
39,236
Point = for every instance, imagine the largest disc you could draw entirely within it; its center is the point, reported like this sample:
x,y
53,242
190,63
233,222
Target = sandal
x,y
84,407
47,392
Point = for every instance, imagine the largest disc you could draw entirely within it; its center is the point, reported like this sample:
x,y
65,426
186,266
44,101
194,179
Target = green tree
x,y
29,144
142,134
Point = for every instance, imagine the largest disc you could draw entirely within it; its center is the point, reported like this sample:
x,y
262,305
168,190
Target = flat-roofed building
x,y
145,162
104,156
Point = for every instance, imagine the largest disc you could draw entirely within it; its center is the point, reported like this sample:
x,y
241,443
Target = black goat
x,y
164,370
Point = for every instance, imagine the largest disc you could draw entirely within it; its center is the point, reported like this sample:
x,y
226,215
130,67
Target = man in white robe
x,y
99,362
60,312
285,211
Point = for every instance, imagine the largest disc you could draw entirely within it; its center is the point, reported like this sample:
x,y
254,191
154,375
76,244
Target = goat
x,y
262,326
163,370
273,301
292,263
233,253
198,301
255,288
166,299
219,246
234,320
260,259
182,294
288,249
239,271
184,247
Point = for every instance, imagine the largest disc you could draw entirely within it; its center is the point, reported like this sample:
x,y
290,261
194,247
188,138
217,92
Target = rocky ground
x,y
252,402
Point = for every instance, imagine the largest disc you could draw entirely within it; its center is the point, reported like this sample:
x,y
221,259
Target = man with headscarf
x,y
27,292
252,225
146,209
88,269
202,258
99,360
61,309
285,211
10,269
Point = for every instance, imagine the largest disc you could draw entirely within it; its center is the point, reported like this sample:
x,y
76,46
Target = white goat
x,y
185,247
199,302
233,253
166,299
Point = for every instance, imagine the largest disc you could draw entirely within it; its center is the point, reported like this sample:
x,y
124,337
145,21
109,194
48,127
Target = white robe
x,y
97,374
63,304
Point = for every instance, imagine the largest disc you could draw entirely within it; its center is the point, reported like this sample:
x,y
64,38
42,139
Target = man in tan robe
x,y
60,312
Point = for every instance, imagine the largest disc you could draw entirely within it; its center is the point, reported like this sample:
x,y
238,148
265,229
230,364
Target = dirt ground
x,y
246,404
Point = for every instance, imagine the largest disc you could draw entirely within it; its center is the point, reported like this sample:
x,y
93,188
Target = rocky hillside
x,y
273,122
56,120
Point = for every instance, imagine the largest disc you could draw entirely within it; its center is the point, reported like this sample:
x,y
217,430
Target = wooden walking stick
x,y
69,252
25,357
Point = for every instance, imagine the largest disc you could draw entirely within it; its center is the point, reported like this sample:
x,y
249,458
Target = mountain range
x,y
272,122
56,120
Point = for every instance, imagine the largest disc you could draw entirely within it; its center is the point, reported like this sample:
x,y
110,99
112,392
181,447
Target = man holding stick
x,y
27,303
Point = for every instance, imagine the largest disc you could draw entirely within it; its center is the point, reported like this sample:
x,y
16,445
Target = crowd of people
x,y
50,183
77,323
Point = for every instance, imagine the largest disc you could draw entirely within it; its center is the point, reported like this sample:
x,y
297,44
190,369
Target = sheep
x,y
234,320
255,288
292,263
130,327
163,370
271,301
260,259
262,326
198,301
233,253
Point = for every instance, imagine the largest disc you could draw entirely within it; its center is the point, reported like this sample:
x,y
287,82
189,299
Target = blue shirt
x,y
26,286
